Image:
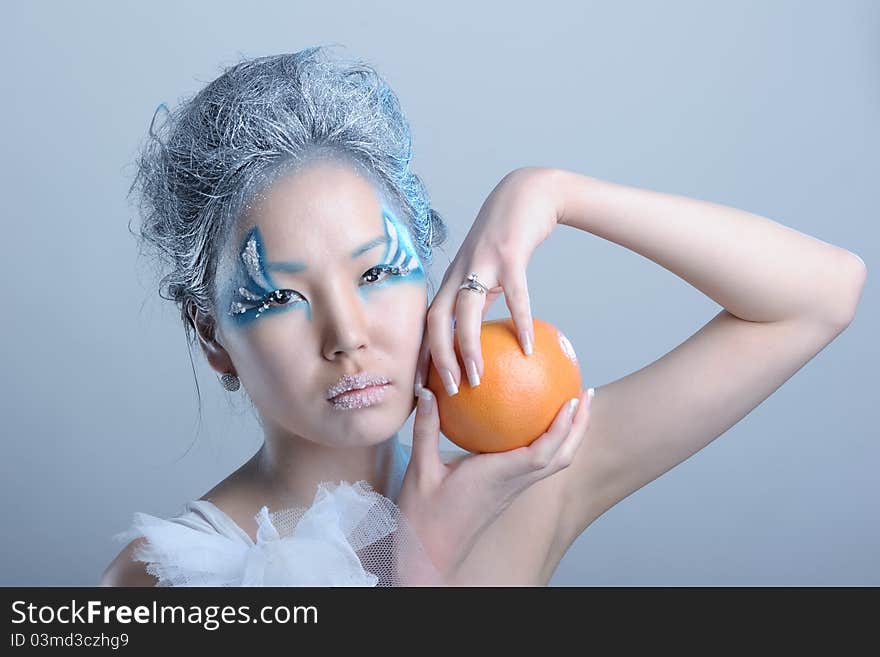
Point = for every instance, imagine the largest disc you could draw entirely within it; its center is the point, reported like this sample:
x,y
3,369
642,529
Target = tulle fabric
x,y
349,536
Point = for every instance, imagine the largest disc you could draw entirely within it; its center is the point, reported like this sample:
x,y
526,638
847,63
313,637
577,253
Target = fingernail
x,y
449,382
526,341
426,400
473,375
418,383
572,406
590,394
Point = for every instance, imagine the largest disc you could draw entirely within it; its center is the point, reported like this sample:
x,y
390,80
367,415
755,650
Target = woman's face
x,y
306,294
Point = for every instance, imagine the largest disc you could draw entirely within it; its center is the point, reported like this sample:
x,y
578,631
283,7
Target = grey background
x,y
767,106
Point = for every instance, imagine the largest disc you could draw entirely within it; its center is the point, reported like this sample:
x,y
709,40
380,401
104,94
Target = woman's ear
x,y
206,329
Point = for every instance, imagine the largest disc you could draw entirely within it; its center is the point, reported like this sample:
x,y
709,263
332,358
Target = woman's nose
x,y
345,325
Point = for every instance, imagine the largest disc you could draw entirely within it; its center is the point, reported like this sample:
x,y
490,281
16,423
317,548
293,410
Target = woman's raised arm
x,y
785,295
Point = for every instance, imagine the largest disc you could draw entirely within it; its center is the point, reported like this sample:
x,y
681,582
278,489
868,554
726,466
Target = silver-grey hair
x,y
197,171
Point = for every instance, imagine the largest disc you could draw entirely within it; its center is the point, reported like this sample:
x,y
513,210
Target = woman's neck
x,y
289,470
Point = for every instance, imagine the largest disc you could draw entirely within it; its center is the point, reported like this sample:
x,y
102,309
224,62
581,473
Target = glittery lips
x,y
356,382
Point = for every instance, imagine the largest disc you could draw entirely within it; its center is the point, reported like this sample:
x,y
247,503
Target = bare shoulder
x,y
125,571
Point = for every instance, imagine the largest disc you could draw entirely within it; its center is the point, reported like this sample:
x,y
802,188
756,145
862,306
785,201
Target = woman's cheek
x,y
267,352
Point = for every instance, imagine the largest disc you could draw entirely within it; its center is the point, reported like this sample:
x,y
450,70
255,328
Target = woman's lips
x,y
361,398
355,382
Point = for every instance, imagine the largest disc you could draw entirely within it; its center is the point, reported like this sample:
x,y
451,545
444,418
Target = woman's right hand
x,y
450,505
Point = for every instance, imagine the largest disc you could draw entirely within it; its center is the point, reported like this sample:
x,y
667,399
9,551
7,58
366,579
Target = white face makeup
x,y
324,281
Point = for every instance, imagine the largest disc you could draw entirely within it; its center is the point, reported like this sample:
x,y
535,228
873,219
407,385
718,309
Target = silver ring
x,y
471,283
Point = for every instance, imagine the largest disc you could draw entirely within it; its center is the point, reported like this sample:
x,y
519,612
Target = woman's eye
x,y
251,301
373,273
281,297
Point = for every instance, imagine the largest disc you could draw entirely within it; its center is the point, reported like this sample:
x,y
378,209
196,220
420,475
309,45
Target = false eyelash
x,y
394,270
264,302
256,301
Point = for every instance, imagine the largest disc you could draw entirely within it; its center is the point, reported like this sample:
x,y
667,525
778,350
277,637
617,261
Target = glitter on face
x,y
360,398
247,294
251,258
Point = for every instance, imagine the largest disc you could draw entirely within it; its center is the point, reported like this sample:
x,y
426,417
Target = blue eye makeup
x,y
400,251
245,300
262,303
283,297
255,292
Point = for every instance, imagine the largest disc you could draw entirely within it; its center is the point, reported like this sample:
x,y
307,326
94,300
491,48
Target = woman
x,y
298,242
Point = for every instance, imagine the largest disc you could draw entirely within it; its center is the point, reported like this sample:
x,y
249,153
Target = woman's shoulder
x,y
124,570
236,500
194,546
218,513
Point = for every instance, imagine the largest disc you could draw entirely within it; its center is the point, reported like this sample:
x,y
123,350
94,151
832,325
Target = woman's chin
x,y
374,418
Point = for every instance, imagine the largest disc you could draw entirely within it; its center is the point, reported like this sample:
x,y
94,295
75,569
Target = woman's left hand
x,y
519,214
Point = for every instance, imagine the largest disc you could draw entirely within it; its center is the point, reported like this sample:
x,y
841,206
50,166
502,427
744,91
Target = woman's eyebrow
x,y
294,266
372,244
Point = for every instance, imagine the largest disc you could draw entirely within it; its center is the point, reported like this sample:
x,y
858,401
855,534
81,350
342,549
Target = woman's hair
x,y
197,171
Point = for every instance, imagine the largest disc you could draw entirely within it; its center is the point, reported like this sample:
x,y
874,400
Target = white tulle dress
x,y
350,535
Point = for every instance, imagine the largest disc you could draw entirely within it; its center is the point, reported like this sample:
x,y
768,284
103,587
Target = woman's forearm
x,y
757,269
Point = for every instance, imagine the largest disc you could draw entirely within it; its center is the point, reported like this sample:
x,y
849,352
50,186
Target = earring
x,y
230,382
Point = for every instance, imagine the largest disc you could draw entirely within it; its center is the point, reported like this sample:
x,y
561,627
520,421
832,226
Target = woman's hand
x,y
450,505
519,214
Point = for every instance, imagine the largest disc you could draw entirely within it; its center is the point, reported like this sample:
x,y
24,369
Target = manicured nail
x,y
526,341
590,394
572,407
449,382
473,375
426,400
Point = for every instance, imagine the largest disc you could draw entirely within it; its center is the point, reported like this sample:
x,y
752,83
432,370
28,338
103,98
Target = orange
x,y
518,397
